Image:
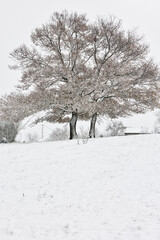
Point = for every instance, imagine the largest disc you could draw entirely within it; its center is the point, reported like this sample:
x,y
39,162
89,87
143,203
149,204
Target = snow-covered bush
x,y
8,130
59,134
32,137
115,128
83,133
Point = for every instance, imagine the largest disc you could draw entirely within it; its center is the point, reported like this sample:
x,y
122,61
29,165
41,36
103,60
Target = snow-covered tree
x,y
56,64
77,68
125,81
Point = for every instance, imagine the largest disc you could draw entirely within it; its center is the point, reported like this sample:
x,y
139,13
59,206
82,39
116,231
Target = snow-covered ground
x,y
106,189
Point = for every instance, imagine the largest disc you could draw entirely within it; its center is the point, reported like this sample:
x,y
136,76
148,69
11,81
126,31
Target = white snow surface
x,y
108,188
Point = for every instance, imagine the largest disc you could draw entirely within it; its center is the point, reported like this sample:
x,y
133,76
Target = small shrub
x,y
59,134
31,137
83,133
8,131
115,128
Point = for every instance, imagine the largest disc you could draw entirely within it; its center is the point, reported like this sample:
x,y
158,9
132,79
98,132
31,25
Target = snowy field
x,y
106,189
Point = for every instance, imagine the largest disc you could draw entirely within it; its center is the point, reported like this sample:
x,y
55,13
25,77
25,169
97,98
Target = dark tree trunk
x,y
92,126
73,122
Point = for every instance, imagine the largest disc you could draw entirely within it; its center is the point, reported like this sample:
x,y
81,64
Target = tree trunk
x,y
92,126
73,122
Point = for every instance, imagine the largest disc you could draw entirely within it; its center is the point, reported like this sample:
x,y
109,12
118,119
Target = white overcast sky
x,y
19,17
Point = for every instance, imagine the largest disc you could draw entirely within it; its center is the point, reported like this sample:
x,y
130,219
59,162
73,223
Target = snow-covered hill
x,y
106,189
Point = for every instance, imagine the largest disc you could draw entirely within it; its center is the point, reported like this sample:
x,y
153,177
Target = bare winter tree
x,y
76,68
